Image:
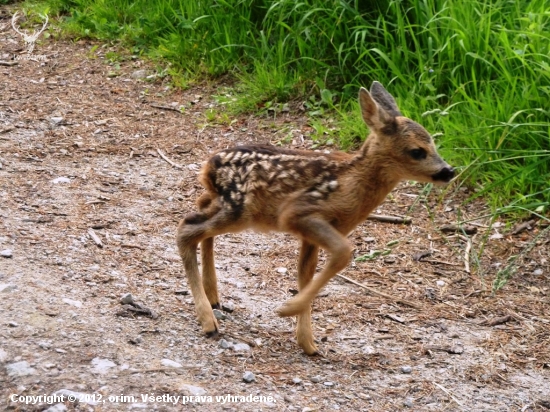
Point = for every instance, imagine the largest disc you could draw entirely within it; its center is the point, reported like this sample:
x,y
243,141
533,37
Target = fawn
x,y
318,197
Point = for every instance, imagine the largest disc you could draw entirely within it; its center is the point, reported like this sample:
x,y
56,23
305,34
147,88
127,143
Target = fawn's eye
x,y
418,154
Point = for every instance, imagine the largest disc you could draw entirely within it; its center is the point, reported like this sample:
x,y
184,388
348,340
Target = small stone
x,y
225,344
102,366
182,292
61,179
537,272
3,356
281,270
57,120
329,384
408,403
6,287
218,314
136,341
139,74
228,307
248,377
368,350
440,283
20,369
296,380
75,303
127,299
241,347
170,363
193,390
315,379
6,253
13,324
56,408
406,369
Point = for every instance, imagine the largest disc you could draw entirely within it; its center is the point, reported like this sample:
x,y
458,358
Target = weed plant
x,y
476,73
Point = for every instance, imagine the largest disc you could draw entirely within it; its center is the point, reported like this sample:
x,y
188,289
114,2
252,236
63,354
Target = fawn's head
x,y
407,149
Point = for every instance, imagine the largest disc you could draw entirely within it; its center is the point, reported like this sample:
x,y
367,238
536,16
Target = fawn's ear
x,y
374,114
384,99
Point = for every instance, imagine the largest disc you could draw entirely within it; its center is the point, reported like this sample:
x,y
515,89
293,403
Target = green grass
x,y
477,73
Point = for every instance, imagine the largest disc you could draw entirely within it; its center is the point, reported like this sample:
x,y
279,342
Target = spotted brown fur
x,y
319,197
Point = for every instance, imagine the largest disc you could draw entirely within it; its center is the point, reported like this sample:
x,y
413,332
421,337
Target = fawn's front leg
x,y
319,232
306,268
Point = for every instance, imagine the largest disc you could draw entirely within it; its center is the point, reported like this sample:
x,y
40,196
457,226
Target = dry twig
x,y
391,219
382,294
95,237
177,166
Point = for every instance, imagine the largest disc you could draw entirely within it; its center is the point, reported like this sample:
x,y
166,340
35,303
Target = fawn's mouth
x,y
445,175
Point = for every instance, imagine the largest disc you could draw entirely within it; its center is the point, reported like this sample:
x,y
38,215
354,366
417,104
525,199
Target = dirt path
x,y
79,152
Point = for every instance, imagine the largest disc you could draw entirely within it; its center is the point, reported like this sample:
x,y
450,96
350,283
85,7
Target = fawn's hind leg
x,y
209,281
321,233
306,268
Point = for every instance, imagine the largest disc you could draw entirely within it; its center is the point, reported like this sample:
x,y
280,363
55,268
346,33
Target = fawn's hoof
x,y
213,333
216,305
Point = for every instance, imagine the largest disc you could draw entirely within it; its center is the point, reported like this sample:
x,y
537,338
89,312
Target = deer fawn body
x,y
318,197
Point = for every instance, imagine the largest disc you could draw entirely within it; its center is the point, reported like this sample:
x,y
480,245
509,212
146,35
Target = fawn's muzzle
x,y
444,175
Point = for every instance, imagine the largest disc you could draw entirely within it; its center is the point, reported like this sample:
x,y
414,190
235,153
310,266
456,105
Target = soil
x,y
86,140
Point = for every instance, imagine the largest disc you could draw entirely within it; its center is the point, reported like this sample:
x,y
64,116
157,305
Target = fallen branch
x,y
467,229
177,166
163,107
382,294
391,219
523,226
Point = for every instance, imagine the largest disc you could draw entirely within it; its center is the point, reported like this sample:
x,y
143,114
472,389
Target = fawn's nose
x,y
444,175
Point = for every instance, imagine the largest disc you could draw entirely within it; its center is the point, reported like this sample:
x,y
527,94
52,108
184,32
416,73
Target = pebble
x,y
13,324
61,179
329,384
296,380
315,379
6,287
408,403
102,366
75,303
20,369
219,314
193,390
241,347
3,356
56,120
537,272
127,299
6,253
440,283
170,363
228,307
225,344
248,377
136,341
56,408
406,369
139,74
281,270
368,350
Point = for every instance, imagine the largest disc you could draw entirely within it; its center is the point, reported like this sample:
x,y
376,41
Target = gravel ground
x,y
95,304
